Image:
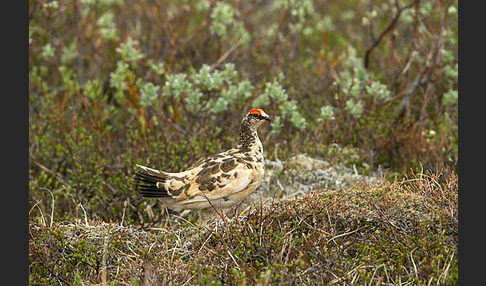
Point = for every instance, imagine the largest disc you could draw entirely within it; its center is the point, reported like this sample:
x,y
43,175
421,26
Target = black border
x,y
471,143
15,138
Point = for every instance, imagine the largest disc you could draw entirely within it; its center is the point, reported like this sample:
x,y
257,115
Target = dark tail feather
x,y
146,184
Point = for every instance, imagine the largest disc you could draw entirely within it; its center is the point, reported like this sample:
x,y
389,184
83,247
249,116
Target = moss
x,y
390,232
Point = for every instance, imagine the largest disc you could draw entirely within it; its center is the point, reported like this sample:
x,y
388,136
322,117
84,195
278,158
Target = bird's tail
x,y
146,183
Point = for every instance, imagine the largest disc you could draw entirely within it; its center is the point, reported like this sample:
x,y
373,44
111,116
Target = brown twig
x,y
386,31
214,208
382,213
33,9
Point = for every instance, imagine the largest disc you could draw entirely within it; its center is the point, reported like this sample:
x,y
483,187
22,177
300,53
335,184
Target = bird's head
x,y
256,117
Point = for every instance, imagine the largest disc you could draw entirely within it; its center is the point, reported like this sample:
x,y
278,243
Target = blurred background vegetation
x,y
114,83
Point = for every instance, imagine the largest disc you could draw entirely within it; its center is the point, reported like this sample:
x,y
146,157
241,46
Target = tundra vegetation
x,y
370,86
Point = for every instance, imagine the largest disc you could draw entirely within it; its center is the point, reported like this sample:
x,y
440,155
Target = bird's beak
x,y
268,118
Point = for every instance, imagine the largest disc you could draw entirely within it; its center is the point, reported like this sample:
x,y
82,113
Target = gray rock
x,y
302,174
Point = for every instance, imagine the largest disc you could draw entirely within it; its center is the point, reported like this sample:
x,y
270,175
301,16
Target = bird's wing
x,y
216,179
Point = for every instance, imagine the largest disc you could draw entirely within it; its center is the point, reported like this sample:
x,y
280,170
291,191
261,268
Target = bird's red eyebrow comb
x,y
255,111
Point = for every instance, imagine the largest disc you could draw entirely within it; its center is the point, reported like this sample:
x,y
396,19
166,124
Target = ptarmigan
x,y
218,182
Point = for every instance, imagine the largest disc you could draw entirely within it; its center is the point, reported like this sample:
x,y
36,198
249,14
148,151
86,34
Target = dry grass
x,y
403,232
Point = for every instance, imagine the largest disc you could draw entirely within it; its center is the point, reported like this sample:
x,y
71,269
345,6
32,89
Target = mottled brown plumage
x,y
217,182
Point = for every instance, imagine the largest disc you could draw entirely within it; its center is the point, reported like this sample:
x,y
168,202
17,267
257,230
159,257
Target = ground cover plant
x,y
404,232
114,83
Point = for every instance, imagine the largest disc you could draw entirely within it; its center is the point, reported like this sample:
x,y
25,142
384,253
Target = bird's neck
x,y
249,140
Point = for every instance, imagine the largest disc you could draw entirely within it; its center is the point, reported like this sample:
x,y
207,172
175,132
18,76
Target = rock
x,y
302,174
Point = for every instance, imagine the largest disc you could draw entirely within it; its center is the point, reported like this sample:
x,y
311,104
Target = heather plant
x,y
404,231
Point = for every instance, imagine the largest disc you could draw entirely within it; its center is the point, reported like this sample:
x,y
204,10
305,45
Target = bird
x,y
215,183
